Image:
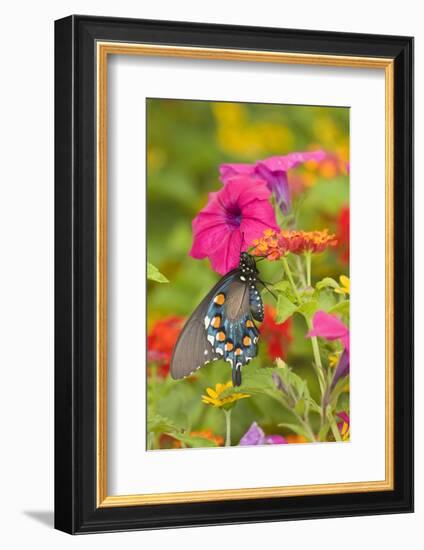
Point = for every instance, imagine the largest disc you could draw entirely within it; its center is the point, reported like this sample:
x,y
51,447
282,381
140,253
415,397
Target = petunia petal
x,y
226,256
227,171
328,326
342,369
208,236
242,190
278,183
257,217
282,193
285,162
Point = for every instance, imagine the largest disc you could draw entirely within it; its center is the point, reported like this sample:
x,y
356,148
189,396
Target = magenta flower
x,y
331,328
274,171
344,425
256,436
233,217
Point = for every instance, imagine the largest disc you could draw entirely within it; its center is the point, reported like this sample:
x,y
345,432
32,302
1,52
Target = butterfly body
x,y
223,325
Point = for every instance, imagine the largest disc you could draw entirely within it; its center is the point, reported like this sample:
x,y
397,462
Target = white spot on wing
x,y
211,339
207,321
220,351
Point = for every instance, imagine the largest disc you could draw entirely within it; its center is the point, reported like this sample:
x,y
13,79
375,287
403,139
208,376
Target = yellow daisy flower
x,y
344,285
213,395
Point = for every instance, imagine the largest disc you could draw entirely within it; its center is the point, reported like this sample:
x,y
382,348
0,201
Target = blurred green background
x,y
186,143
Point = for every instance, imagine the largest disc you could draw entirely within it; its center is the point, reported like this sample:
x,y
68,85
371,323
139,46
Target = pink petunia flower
x,y
331,328
232,219
274,171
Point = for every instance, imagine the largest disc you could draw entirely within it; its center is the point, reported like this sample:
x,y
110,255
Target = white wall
x,y
26,277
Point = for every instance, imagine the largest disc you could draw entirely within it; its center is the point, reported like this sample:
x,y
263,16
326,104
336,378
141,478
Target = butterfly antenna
x,y
268,289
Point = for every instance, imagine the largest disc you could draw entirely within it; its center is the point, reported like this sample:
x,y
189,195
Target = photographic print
x,y
248,274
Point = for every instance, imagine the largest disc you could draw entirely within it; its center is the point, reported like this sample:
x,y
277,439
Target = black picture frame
x,y
76,510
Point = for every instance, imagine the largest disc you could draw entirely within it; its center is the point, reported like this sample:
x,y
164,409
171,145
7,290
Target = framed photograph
x,y
234,274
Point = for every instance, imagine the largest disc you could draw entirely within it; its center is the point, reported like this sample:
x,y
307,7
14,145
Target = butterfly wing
x,y
231,330
221,327
193,350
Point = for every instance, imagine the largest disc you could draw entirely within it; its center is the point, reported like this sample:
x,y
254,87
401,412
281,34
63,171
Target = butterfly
x,y
223,324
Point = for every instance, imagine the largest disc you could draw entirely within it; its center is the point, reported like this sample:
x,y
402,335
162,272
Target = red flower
x,y
161,341
277,337
343,233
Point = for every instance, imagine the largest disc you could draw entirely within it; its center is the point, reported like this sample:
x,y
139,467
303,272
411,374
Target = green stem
x,y
317,359
227,427
333,426
308,258
306,427
290,278
300,270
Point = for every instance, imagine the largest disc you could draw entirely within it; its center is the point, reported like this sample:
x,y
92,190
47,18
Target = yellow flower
x,y
213,398
345,431
344,285
333,359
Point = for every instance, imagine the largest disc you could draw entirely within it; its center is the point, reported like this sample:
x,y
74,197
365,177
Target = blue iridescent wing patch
x,y
230,325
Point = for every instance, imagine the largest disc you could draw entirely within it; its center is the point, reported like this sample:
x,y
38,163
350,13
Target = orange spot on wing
x,y
229,346
219,299
238,351
220,336
216,322
249,323
247,341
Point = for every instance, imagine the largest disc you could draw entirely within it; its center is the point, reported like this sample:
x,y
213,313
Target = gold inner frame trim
x,y
104,49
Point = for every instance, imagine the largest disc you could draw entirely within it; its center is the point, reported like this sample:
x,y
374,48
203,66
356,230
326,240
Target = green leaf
x,y
161,424
285,308
326,283
326,300
342,308
255,381
308,309
301,407
282,286
322,435
292,380
153,274
337,391
285,288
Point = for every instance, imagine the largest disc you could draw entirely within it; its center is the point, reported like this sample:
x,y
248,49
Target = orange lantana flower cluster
x,y
274,245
